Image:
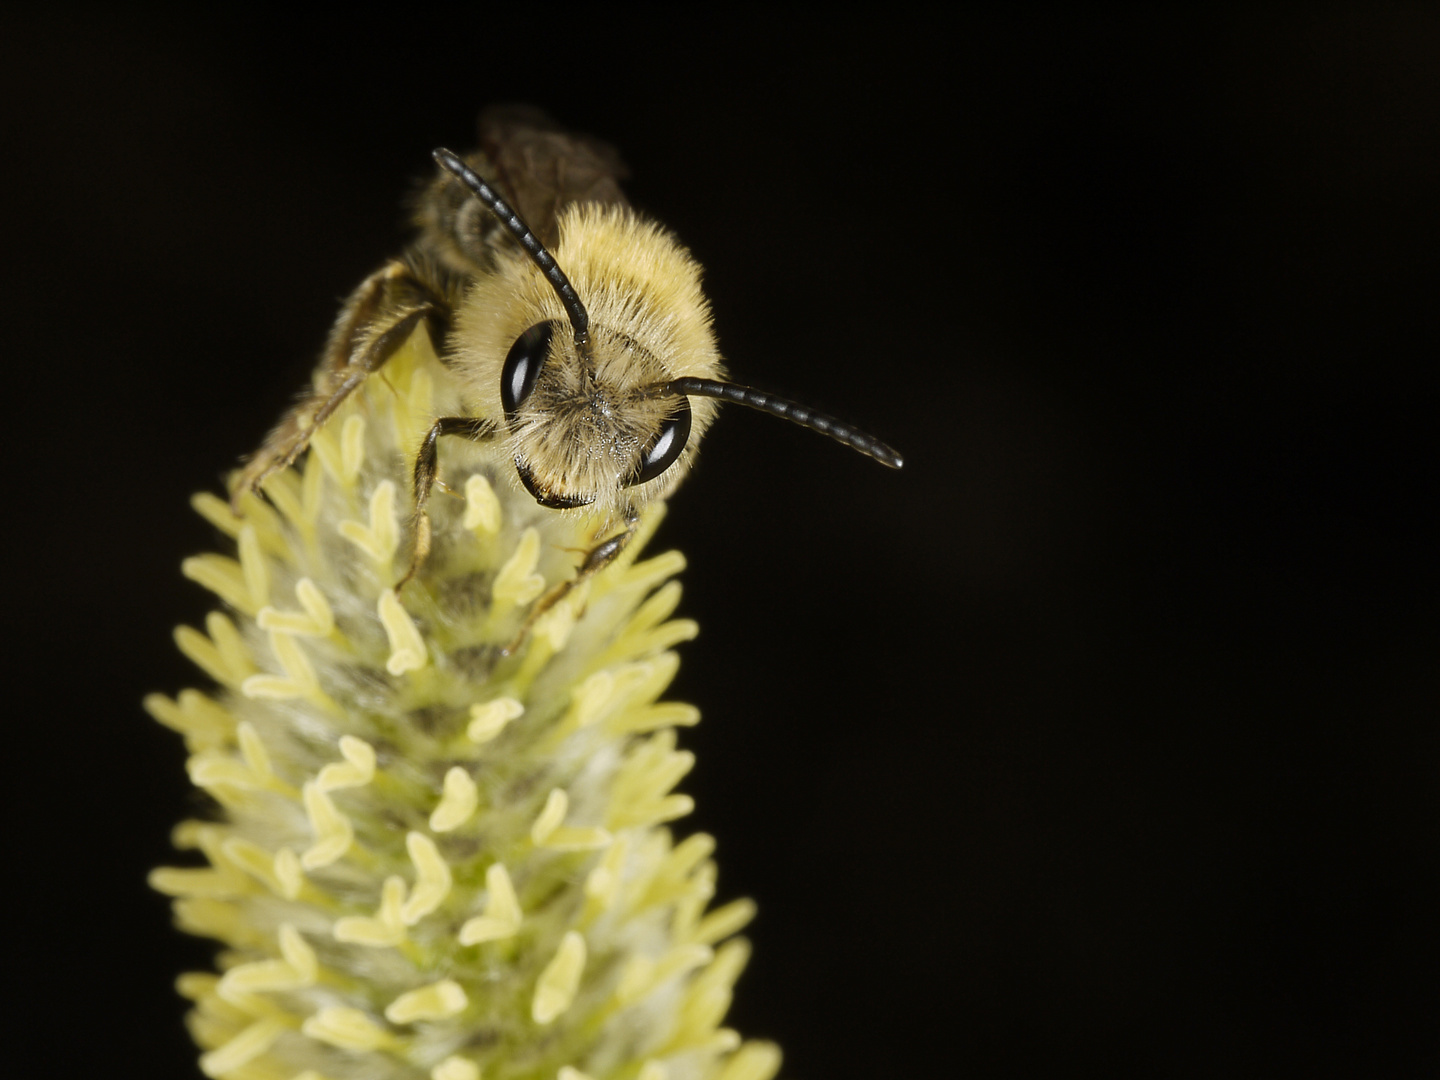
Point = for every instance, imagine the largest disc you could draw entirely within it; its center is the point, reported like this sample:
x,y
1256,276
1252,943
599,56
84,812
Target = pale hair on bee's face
x,y
585,418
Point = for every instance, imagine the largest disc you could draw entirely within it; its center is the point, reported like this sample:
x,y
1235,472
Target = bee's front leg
x,y
596,559
427,466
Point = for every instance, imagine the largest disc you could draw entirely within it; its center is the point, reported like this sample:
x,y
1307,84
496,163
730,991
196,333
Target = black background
x,y
1100,741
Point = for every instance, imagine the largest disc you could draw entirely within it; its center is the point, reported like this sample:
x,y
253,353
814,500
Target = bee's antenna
x,y
786,410
579,317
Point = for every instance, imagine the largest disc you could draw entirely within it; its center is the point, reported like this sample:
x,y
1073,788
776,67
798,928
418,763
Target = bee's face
x,y
586,426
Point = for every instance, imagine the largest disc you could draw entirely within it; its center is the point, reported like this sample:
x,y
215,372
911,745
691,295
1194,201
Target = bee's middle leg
x,y
378,319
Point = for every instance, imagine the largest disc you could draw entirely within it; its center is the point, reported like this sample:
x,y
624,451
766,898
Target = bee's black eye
x,y
523,364
662,452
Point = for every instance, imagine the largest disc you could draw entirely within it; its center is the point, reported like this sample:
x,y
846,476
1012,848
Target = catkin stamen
x,y
430,857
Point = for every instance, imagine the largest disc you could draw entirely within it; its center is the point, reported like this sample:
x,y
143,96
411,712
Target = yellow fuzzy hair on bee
x,y
651,324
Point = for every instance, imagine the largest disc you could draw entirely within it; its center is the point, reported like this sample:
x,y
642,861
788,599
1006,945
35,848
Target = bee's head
x,y
586,423
593,414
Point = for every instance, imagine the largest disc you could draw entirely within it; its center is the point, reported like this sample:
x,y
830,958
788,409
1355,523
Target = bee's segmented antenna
x,y
579,317
786,410
687,386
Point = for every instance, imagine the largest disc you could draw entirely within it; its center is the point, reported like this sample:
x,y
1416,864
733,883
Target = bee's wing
x,y
540,167
536,166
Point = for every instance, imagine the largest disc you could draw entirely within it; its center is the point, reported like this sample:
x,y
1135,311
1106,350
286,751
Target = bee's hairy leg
x,y
379,317
596,559
427,466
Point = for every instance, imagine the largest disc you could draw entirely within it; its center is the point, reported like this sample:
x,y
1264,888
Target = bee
x,y
577,330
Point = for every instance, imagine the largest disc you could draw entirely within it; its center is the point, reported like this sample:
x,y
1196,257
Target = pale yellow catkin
x,y
430,858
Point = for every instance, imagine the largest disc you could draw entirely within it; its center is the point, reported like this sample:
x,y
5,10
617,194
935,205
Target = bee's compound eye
x,y
523,364
661,454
